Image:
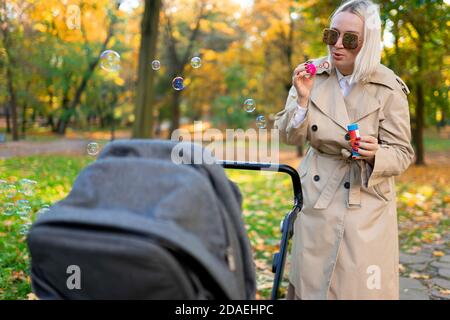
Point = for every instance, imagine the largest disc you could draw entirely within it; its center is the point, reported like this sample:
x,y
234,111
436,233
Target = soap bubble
x,y
9,208
261,122
196,62
3,185
294,15
23,209
92,148
10,191
156,65
45,209
27,187
110,61
178,84
25,228
249,105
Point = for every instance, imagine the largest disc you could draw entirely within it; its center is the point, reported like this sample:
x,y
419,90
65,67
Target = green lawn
x,y
54,177
267,198
433,142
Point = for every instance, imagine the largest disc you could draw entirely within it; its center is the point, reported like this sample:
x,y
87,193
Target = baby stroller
x,y
138,225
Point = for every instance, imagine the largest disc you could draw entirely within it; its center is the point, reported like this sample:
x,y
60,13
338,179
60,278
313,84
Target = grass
x,y
436,144
423,202
54,176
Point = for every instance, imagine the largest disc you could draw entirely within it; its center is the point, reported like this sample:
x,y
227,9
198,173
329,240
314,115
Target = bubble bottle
x,y
353,131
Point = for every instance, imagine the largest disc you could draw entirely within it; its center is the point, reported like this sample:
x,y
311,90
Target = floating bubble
x,y
294,15
249,105
27,186
9,208
23,209
156,65
110,61
10,191
22,203
178,83
43,210
196,62
92,148
3,185
25,228
261,122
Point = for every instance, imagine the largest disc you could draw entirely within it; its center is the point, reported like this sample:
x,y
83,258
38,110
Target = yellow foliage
x,y
119,81
209,55
426,190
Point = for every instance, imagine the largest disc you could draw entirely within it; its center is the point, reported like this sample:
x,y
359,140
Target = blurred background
x,y
75,74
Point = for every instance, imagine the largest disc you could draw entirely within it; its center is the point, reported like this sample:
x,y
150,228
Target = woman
x,y
345,243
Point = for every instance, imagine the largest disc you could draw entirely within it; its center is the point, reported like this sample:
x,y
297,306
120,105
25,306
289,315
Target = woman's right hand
x,y
303,83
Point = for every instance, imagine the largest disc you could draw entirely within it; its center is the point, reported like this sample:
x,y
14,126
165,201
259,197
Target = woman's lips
x,y
338,56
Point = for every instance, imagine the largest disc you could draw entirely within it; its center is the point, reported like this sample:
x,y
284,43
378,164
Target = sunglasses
x,y
349,40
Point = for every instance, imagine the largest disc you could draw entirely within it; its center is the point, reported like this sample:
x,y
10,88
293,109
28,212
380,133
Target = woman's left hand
x,y
367,147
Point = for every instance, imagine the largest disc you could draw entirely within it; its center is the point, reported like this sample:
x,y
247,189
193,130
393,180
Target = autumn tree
x,y
144,110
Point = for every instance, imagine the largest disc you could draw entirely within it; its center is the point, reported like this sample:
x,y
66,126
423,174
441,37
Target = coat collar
x,y
384,76
361,101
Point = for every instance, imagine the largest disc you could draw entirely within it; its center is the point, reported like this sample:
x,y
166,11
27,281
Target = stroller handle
x,y
287,226
284,168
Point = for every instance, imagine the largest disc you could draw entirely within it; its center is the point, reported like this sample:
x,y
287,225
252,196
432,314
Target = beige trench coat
x,y
345,243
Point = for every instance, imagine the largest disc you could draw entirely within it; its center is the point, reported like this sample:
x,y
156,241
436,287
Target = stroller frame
x,y
287,224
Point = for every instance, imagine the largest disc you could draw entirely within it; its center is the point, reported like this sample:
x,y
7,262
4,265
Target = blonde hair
x,y
369,58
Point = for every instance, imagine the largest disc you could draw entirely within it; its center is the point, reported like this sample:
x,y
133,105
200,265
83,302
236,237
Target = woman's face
x,y
344,59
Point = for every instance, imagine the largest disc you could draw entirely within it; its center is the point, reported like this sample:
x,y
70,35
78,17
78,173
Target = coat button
x,y
314,128
347,137
316,178
347,185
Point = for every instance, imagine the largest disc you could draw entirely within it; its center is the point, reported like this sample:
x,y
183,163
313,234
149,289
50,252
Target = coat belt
x,y
346,165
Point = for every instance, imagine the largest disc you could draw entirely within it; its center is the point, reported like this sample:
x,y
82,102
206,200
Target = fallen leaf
x,y
8,223
32,296
415,275
438,254
445,292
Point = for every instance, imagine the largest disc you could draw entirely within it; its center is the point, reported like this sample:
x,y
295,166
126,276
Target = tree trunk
x,y
70,110
24,119
7,45
64,121
12,102
8,118
143,122
177,64
51,122
420,107
175,123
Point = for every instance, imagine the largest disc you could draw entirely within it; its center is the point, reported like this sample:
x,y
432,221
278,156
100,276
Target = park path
x,y
29,148
431,272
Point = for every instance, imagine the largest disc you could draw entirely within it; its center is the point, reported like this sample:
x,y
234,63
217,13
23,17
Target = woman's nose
x,y
338,44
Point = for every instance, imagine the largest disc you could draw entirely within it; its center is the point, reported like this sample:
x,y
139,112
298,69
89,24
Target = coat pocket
x,y
384,190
